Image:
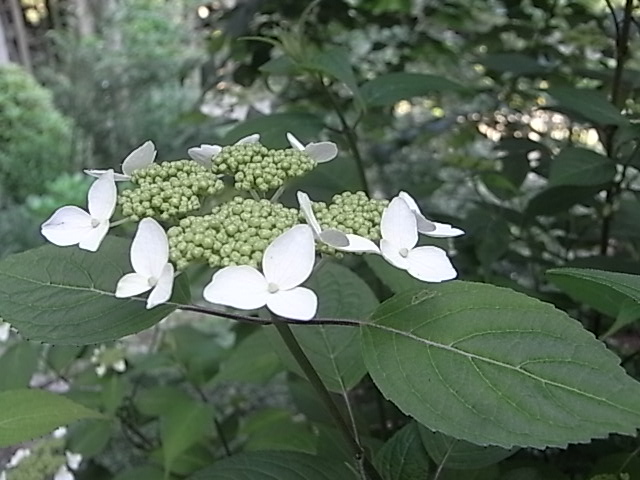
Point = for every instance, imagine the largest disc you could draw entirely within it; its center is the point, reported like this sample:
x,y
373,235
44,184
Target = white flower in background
x,y
205,153
398,245
141,157
73,459
150,261
18,456
59,432
286,264
346,242
320,152
70,225
5,331
108,358
427,227
63,473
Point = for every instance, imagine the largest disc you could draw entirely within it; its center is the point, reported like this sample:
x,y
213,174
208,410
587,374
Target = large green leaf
x,y
333,350
587,104
272,465
395,279
460,455
559,199
579,166
516,63
390,88
403,456
25,414
66,295
273,128
495,367
336,63
18,363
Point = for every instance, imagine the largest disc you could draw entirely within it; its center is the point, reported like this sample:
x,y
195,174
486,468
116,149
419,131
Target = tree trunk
x,y
4,48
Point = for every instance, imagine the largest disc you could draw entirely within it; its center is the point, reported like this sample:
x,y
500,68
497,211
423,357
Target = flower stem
x,y
316,382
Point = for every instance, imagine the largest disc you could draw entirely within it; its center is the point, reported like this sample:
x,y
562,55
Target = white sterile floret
x,y
63,473
5,331
205,153
141,157
18,456
347,242
150,261
320,152
398,246
286,264
73,459
71,225
427,227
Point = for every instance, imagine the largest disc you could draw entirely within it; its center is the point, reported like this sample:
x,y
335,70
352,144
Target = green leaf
x,y
89,437
607,292
495,367
18,362
159,400
395,279
559,199
273,128
333,350
26,414
588,104
253,361
181,427
581,167
516,63
629,313
390,88
336,63
403,457
275,429
460,455
66,295
146,472
274,465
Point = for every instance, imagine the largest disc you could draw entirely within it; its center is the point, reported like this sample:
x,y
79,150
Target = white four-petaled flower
x,y
286,264
150,261
205,153
427,227
346,242
141,157
399,229
70,225
320,152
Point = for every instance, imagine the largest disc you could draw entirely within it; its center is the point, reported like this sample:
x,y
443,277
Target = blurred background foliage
x,y
502,117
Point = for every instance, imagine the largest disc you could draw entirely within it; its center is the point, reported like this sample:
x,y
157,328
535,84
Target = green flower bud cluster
x,y
255,167
168,190
45,459
235,233
351,213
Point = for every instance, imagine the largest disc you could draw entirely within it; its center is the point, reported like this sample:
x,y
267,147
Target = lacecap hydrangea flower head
x,y
260,250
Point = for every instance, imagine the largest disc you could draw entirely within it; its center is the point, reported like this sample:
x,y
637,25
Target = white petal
x,y
288,260
204,154
141,157
67,226
398,224
118,177
59,432
255,138
444,230
120,366
358,244
5,330
73,459
162,291
334,238
391,254
299,303
307,210
430,264
294,142
3,475
240,287
149,249
424,225
102,197
101,370
94,237
132,284
18,456
322,152
63,473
